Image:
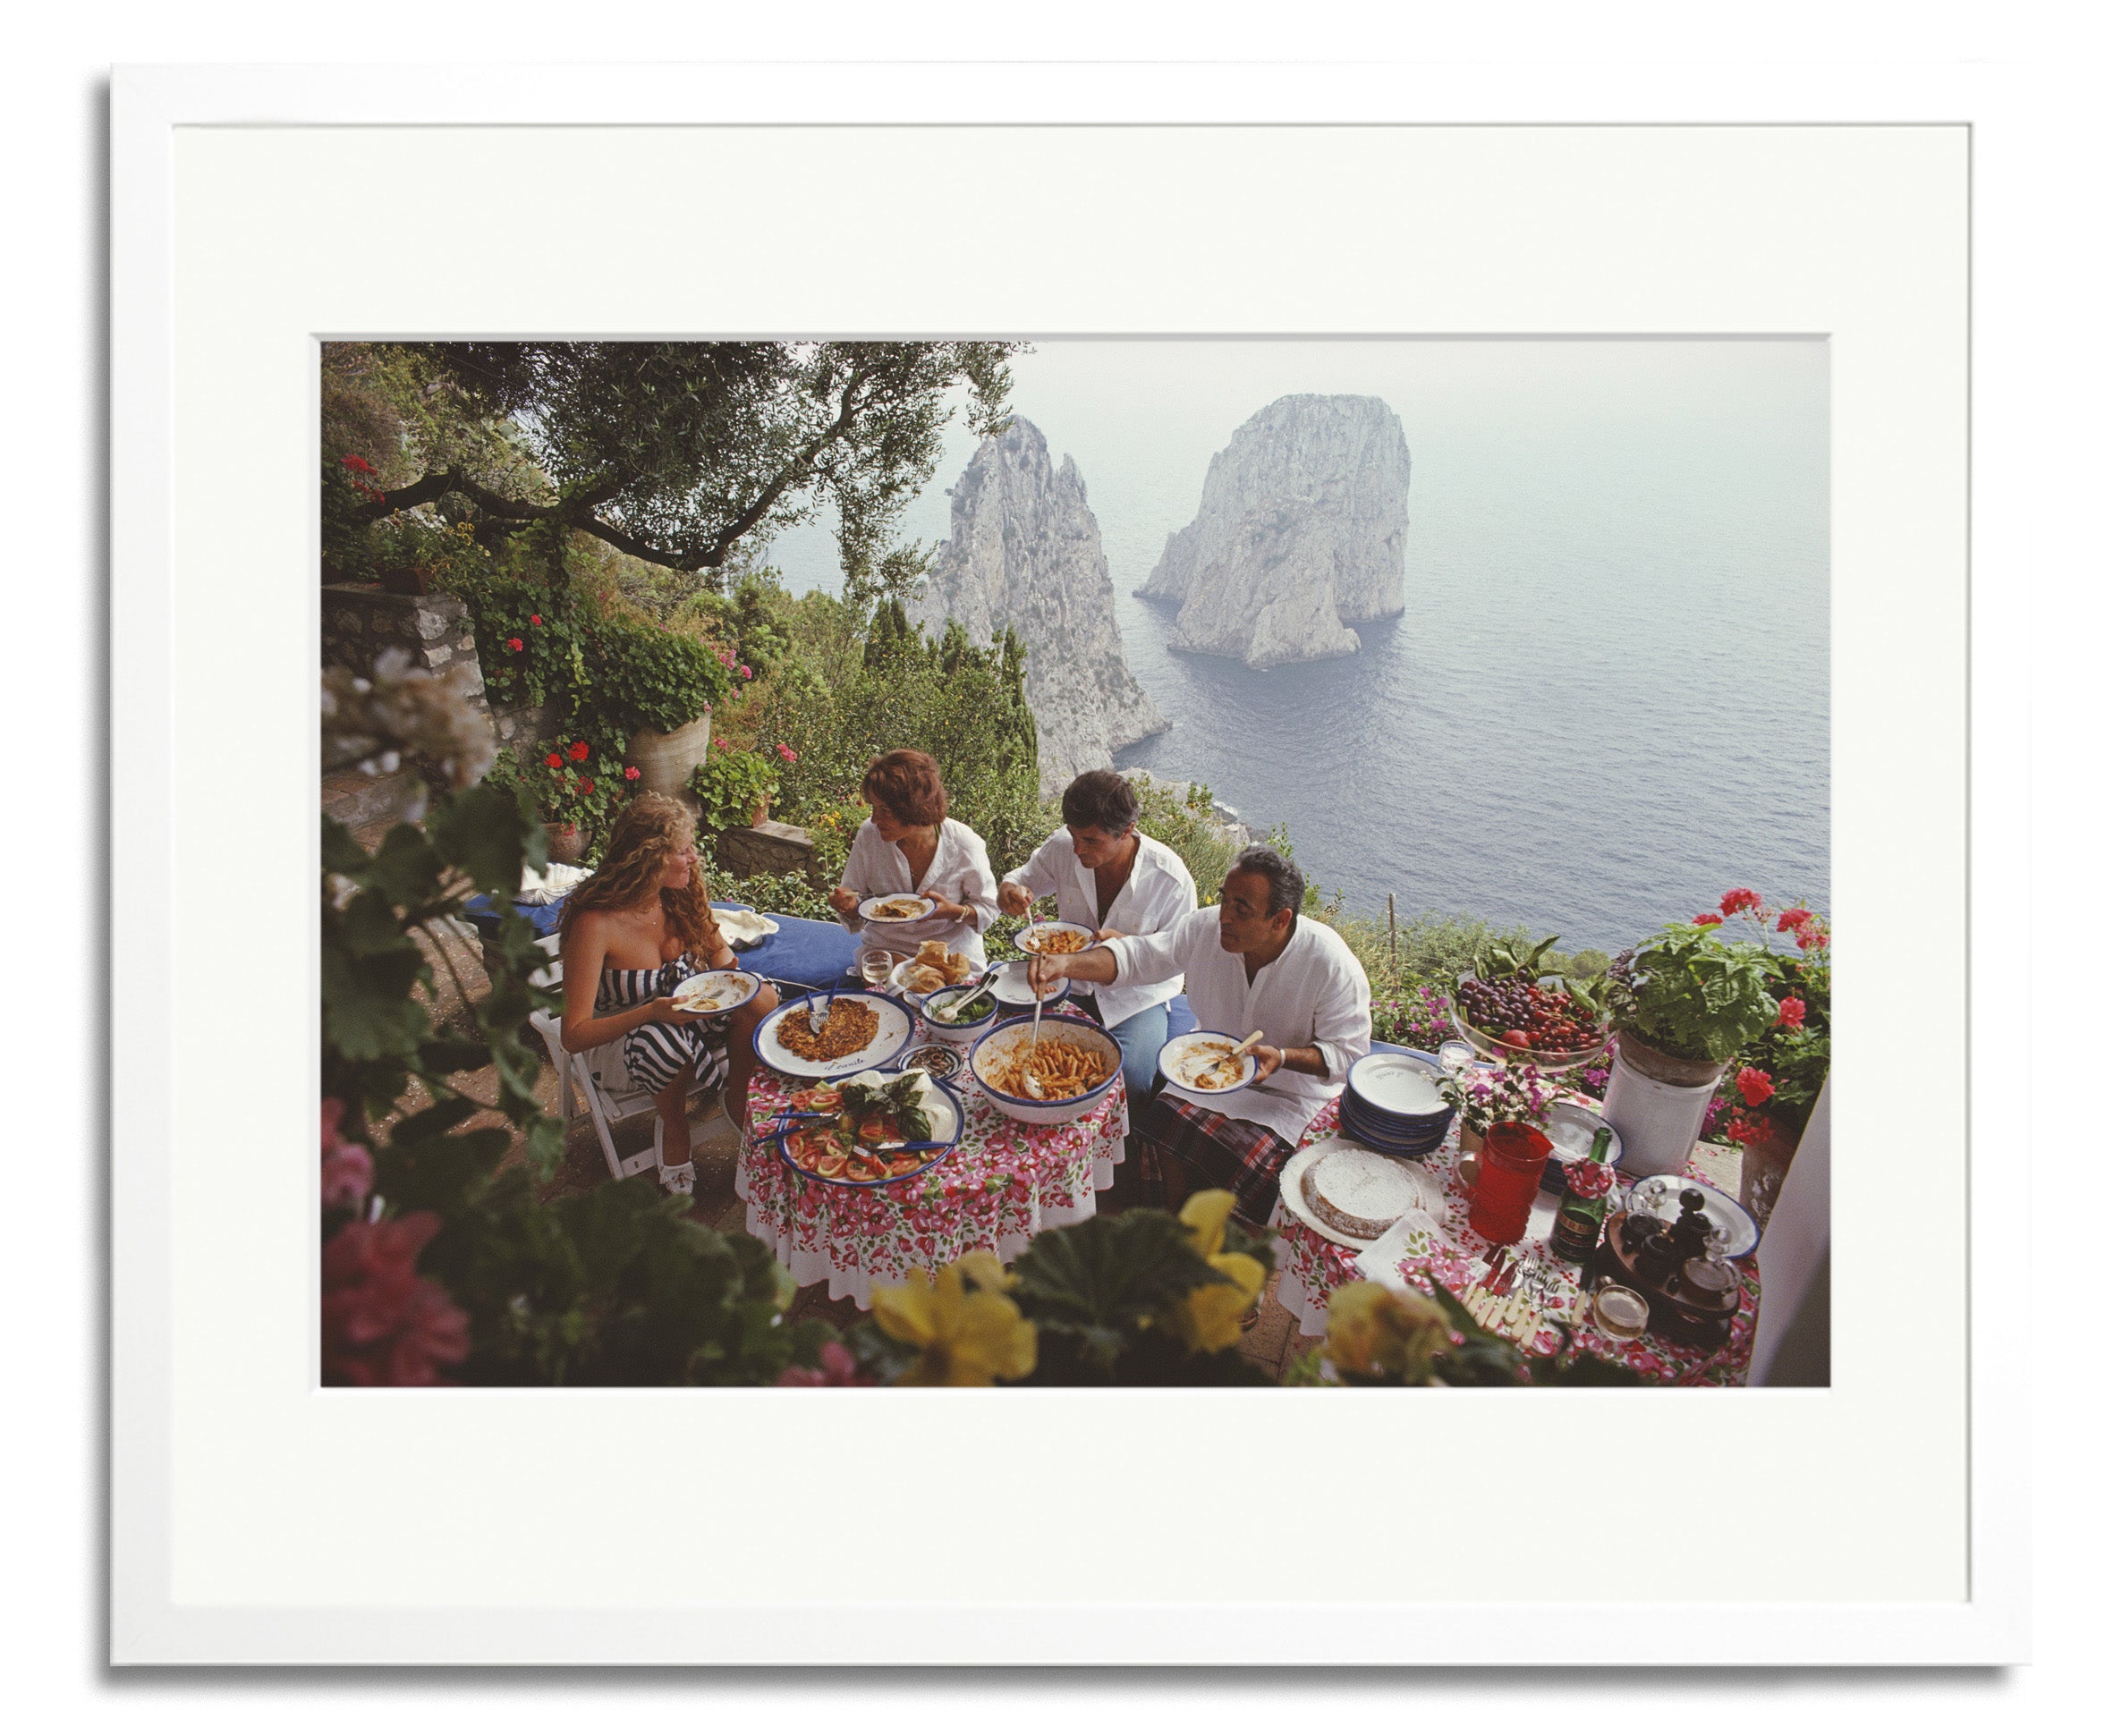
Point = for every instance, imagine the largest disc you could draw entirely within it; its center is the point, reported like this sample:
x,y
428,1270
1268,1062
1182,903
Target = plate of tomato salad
x,y
866,1116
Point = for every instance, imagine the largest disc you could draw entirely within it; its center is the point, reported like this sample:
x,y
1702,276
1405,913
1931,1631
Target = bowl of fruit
x,y
1506,1010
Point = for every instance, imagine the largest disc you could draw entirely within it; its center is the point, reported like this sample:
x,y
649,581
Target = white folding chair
x,y
604,1087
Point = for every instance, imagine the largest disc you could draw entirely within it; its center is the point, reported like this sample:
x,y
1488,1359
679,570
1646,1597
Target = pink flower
x,y
840,1369
535,621
1790,1013
1791,919
745,675
1810,936
786,754
1739,897
727,658
719,744
631,773
383,1324
1707,919
513,645
348,1169
1755,1086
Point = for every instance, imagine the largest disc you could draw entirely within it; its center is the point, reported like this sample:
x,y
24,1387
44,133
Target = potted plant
x,y
732,788
1512,1092
662,687
573,789
1769,1093
1682,1003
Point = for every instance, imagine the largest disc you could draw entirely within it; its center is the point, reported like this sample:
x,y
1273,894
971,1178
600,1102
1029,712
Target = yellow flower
x,y
966,1337
1385,1335
1208,1319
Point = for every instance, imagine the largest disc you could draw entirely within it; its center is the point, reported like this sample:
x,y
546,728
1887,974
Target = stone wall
x,y
359,624
766,848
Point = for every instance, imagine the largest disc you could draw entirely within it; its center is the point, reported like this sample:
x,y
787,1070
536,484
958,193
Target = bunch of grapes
x,y
1519,1012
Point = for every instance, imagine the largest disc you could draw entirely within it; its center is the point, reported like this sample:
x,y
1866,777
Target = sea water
x,y
1606,699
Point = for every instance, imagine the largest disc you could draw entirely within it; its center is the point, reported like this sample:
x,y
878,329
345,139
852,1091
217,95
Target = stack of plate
x,y
1391,1104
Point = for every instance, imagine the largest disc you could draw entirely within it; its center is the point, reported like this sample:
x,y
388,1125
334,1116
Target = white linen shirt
x,y
960,873
1159,892
1313,995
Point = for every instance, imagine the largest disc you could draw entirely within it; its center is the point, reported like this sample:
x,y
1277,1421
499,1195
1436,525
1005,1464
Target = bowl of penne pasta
x,y
1064,1076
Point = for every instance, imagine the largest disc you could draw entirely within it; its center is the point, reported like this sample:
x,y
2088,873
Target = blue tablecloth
x,y
813,954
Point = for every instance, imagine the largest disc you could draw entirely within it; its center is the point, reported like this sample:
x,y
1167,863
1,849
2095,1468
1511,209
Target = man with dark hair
x,y
1108,877
1251,962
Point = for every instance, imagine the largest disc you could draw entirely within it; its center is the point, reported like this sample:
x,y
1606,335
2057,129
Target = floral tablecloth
x,y
1005,1183
1312,1268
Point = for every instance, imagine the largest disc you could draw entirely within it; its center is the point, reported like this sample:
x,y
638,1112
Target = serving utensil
x,y
1034,1037
961,993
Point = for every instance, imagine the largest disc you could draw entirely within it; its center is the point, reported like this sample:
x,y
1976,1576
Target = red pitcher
x,y
1512,1157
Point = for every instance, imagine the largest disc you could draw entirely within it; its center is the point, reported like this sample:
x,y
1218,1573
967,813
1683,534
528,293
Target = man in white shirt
x,y
1252,962
1108,877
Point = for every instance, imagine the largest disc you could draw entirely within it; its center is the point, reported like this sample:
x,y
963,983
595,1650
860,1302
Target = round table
x,y
1312,1268
1005,1182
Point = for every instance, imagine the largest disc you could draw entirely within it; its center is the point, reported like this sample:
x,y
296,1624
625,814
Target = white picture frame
x,y
234,1539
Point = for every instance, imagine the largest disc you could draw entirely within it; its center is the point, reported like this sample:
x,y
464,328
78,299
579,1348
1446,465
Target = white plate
x,y
732,989
1030,938
1659,1197
893,1036
1571,1130
1430,1193
1179,1052
1010,985
870,909
1385,1081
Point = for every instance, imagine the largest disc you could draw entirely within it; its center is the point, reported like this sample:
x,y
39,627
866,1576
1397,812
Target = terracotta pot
x,y
762,811
1763,1167
664,762
1665,1068
568,843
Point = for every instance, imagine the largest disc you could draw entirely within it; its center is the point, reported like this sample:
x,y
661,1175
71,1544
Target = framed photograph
x,y
1558,521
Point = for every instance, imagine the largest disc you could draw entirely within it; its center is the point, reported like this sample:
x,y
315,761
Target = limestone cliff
x,y
1301,531
1025,552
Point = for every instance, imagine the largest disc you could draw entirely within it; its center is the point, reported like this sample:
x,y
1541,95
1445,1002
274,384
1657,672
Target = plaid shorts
x,y
1244,1157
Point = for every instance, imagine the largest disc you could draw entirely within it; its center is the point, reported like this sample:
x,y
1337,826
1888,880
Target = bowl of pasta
x,y
1054,938
1075,1065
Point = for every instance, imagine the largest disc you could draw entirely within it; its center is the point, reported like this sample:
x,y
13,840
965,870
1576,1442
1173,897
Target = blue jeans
x,y
1141,1036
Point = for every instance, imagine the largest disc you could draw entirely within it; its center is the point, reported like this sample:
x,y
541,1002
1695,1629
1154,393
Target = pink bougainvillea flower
x,y
1755,1086
840,1369
383,1324
1792,919
1707,919
727,659
513,645
535,621
554,760
631,773
746,675
578,750
1739,897
786,754
1790,1013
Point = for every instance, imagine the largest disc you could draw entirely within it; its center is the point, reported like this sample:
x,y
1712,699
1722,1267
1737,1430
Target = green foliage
x,y
645,677
788,894
1094,1289
578,790
1181,820
728,786
1693,993
963,704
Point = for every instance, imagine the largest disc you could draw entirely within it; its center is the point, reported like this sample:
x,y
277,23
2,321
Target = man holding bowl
x,y
1108,877
1251,960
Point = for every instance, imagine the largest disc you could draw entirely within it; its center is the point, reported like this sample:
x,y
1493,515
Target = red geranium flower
x,y
578,750
1791,919
535,621
1740,898
631,773
587,786
1810,936
1791,1012
1755,1086
513,645
1749,1131
1707,919
554,760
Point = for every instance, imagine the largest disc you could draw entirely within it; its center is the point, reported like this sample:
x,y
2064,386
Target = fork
x,y
818,1016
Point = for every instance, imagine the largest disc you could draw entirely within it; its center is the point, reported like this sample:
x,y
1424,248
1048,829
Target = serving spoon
x,y
1034,1038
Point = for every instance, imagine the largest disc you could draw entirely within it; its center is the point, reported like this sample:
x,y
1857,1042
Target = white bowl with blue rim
x,y
1197,1052
1011,1038
962,1035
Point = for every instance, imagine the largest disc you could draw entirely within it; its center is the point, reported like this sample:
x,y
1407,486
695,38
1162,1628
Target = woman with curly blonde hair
x,y
630,936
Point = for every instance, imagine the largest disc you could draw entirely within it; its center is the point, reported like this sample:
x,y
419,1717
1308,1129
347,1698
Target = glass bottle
x,y
1583,1209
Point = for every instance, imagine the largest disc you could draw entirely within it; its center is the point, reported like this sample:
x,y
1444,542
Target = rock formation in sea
x,y
1301,531
1025,552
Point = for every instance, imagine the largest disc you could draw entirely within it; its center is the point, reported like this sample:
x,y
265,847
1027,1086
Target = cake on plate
x,y
1358,1193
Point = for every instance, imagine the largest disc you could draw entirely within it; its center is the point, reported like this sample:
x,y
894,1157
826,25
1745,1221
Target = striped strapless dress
x,y
655,1052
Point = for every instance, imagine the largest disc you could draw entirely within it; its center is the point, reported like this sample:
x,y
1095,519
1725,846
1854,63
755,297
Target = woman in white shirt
x,y
910,846
1108,877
